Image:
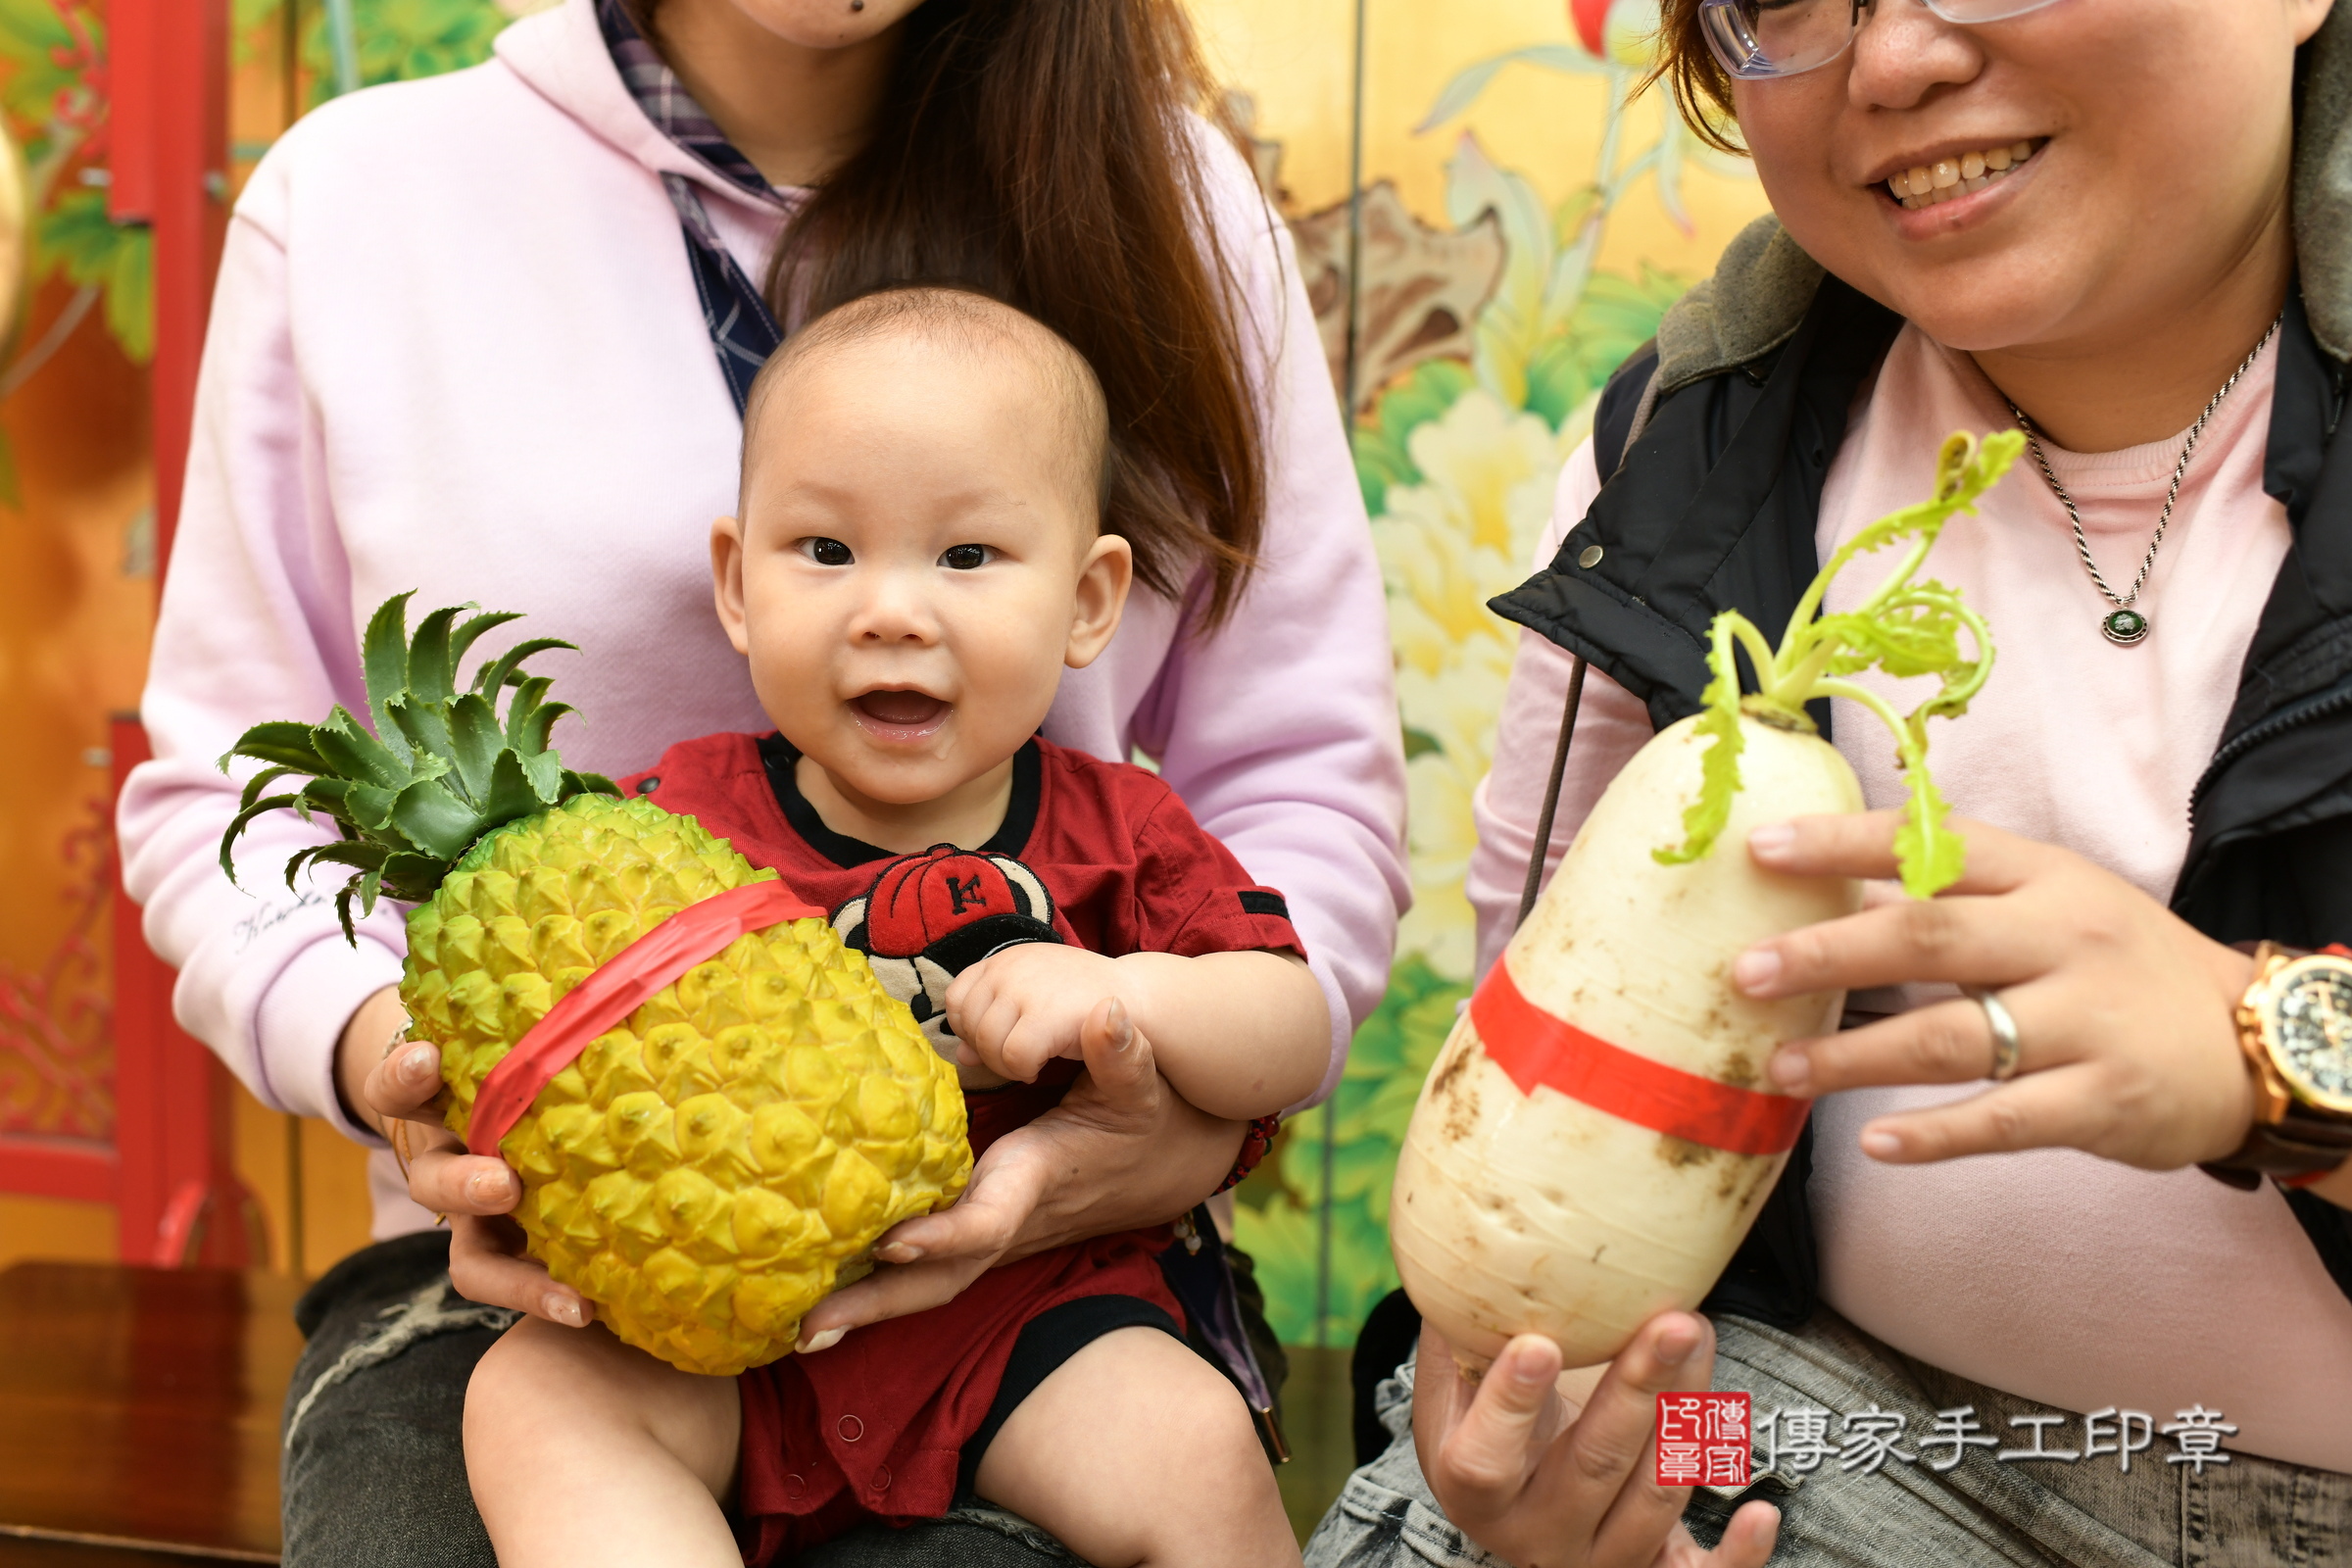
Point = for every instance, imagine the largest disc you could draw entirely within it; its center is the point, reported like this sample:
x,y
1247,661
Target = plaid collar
x,y
668,105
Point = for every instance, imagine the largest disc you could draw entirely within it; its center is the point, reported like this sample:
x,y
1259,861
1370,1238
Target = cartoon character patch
x,y
928,918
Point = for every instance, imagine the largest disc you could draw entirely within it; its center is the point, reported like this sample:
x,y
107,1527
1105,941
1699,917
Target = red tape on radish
x,y
1534,1047
638,973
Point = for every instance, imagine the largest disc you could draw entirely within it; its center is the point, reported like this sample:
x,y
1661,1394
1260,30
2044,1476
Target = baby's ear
x,y
726,579
1104,574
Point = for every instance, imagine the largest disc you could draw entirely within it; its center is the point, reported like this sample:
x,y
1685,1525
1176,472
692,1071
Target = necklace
x,y
2125,625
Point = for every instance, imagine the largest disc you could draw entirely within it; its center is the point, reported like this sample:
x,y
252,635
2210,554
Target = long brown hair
x,y
1703,88
1044,152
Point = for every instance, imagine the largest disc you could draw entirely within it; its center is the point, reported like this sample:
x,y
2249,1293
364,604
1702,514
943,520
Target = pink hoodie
x,y
456,347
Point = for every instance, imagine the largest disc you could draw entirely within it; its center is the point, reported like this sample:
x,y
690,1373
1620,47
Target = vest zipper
x,y
2276,724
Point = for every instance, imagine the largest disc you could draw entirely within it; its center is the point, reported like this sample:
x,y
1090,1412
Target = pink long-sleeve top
x,y
2057,1276
456,347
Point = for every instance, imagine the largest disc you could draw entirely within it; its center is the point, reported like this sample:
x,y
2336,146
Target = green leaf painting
x,y
1357,1138
392,40
74,240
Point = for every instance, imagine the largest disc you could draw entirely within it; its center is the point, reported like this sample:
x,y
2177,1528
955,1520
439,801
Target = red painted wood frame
x,y
169,1173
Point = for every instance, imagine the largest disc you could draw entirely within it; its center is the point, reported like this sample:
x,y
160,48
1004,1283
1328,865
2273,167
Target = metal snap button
x,y
793,1485
850,1428
1590,556
882,1479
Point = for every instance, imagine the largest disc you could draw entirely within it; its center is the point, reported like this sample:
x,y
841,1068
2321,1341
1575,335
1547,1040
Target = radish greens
x,y
1905,629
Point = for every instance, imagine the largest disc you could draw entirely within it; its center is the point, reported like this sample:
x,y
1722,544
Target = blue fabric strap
x,y
743,331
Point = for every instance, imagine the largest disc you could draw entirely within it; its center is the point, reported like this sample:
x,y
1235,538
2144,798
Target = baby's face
x,y
916,563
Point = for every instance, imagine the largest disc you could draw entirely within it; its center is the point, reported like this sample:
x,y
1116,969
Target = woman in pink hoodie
x,y
486,337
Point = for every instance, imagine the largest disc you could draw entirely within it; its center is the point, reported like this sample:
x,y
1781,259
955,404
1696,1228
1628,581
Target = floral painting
x,y
1484,333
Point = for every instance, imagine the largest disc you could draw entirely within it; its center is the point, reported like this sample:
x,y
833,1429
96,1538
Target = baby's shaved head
x,y
959,321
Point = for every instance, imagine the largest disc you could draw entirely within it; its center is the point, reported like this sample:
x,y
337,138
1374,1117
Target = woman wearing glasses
x,y
2120,226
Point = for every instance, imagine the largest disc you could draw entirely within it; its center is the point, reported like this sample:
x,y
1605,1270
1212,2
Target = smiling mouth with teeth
x,y
900,710
1947,178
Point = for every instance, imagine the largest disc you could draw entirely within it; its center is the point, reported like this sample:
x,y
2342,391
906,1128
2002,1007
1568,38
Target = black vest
x,y
1714,508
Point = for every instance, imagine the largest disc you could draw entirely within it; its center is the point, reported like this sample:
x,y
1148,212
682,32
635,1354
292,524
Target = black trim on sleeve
x,y
1264,900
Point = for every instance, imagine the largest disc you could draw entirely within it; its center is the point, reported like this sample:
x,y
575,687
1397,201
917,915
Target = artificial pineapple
x,y
708,1172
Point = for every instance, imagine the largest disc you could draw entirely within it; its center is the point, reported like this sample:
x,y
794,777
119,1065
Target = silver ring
x,y
2005,1044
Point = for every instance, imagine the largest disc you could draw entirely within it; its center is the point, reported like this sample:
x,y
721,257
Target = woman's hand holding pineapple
x,y
381,1086
1121,1151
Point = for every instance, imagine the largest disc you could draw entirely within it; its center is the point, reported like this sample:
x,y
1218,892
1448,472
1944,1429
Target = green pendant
x,y
2125,627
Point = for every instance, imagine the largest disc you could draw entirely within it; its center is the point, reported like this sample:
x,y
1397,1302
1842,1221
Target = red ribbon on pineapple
x,y
636,975
1532,1047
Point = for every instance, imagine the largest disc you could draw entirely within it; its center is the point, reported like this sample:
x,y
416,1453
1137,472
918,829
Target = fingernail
x,y
1676,1342
821,1342
898,1253
564,1310
1882,1145
1527,1370
1122,1028
1772,843
417,1063
489,1187
1755,970
1791,1070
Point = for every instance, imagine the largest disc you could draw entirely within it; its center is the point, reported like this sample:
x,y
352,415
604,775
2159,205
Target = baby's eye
x,y
965,558
827,552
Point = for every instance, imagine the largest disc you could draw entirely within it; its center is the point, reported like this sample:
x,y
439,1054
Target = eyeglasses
x,y
1760,39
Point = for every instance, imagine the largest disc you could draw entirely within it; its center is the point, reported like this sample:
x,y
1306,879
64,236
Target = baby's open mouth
x,y
901,711
1948,179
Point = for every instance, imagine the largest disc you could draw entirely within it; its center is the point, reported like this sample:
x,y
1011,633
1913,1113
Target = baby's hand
x,y
1018,1010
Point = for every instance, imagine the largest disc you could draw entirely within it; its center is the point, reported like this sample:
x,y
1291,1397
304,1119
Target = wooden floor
x,y
139,1410
17,1552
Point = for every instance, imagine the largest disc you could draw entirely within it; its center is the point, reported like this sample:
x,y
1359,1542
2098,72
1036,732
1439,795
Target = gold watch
x,y
2294,1024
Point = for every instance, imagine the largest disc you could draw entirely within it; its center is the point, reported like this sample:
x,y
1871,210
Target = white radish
x,y
1596,1136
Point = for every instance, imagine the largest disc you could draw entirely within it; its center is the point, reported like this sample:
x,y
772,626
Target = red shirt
x,y
1097,854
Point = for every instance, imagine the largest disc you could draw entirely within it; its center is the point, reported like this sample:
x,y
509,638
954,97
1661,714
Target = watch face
x,y
2308,1025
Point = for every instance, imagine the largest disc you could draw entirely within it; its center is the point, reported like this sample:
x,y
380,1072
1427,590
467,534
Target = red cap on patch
x,y
926,896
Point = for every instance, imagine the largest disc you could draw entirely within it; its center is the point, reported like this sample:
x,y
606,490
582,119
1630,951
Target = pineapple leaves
x,y
473,744
384,656
1904,629
430,815
426,727
507,670
439,769
511,795
463,639
350,752
545,770
285,744
245,814
432,676
262,781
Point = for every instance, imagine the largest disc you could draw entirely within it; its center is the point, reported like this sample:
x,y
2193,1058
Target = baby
x,y
920,553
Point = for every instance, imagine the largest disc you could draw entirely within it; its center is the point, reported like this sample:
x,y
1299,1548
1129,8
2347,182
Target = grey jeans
x,y
1979,1513
373,1468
